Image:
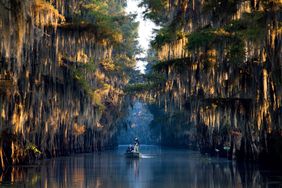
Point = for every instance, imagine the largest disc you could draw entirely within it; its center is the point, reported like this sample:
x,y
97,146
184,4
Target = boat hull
x,y
132,154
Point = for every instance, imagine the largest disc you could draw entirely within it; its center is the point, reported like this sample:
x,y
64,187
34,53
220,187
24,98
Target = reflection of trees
x,y
76,171
22,176
176,168
203,172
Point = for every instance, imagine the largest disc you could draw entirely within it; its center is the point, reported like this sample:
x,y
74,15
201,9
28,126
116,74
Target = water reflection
x,y
133,167
157,168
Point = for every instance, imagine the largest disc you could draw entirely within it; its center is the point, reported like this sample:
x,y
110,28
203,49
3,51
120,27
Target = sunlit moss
x,y
44,9
99,95
97,100
228,80
79,129
108,65
53,51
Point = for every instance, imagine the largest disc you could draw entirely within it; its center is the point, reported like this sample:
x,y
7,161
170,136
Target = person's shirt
x,y
136,148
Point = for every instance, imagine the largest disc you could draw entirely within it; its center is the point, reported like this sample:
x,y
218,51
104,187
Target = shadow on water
x,y
158,167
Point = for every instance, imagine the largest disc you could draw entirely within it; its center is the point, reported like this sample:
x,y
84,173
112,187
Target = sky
x,y
145,30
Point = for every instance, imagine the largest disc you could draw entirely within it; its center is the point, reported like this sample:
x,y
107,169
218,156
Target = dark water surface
x,y
158,168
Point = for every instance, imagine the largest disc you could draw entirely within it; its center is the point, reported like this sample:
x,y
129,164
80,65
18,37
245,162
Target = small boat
x,y
133,154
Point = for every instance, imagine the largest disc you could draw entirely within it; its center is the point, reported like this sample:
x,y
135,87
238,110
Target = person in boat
x,y
136,145
130,148
137,141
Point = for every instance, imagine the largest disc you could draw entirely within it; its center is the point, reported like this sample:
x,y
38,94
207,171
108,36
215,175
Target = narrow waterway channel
x,y
158,167
80,82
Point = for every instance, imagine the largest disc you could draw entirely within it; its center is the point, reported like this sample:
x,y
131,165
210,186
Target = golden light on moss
x,y
79,129
3,113
99,95
46,13
211,91
221,32
212,56
81,57
52,78
108,65
117,37
173,50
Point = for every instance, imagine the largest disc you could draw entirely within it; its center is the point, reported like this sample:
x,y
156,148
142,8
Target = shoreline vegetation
x,y
213,80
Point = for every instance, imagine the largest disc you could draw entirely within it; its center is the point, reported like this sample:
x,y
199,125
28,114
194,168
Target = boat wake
x,y
144,156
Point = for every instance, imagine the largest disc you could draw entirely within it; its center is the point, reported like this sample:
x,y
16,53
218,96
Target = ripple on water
x,y
158,167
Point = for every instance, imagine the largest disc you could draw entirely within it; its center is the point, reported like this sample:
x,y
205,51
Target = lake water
x,y
158,167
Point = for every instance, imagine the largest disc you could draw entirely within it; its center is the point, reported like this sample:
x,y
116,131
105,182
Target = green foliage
x,y
91,66
152,81
172,25
79,73
105,19
81,80
129,45
167,35
155,77
178,64
139,87
156,10
208,37
252,26
201,38
112,24
164,35
32,147
230,39
236,52
97,13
